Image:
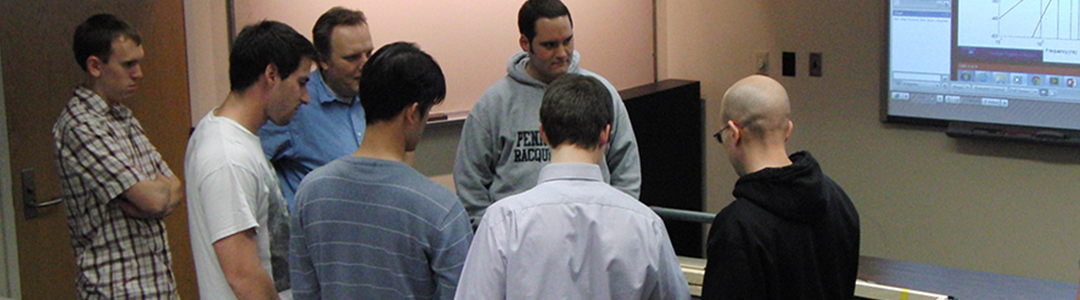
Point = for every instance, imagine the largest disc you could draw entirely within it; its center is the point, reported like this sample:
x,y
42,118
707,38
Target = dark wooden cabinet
x,y
668,121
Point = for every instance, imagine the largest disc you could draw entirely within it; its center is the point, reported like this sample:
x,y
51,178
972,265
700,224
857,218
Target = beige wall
x,y
206,27
993,206
472,42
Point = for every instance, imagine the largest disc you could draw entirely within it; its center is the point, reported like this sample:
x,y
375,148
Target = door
x,y
39,72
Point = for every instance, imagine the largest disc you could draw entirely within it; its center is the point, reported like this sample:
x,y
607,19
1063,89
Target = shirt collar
x,y
325,93
570,171
96,104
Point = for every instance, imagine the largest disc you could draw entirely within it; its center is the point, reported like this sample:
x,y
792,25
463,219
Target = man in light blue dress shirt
x,y
572,236
333,124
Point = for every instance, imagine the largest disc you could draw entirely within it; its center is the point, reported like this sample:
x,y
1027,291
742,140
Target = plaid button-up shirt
x,y
102,151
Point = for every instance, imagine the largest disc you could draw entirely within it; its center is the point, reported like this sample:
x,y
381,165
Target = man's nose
x,y
137,73
564,51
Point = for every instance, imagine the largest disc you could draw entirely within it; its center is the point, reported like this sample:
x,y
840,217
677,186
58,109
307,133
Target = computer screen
x,y
1006,62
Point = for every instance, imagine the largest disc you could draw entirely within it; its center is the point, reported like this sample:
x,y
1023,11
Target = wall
x,y
471,41
1000,207
206,27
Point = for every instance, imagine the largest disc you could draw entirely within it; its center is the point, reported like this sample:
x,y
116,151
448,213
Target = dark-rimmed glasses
x,y
719,134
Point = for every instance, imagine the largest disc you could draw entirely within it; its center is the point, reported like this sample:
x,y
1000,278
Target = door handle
x,y
30,203
54,201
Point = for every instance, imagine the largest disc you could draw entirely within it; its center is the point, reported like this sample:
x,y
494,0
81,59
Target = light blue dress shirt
x,y
322,131
571,237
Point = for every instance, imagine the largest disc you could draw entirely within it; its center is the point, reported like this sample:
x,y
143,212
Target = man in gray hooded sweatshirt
x,y
501,152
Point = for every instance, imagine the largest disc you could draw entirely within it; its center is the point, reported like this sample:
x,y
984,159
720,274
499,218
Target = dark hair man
x,y
792,233
237,215
500,152
572,236
368,225
332,125
116,187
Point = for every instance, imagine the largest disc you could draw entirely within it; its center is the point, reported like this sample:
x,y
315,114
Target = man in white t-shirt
x,y
237,215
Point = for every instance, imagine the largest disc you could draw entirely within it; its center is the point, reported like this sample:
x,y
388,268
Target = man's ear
x,y
271,74
543,136
94,65
412,113
605,135
736,133
524,41
790,126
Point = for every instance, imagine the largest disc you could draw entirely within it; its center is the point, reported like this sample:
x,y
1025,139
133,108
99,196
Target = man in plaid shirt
x,y
116,188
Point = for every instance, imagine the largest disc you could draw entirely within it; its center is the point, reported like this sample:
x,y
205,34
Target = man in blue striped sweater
x,y
369,226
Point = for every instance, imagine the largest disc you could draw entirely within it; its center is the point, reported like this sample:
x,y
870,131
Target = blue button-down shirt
x,y
324,130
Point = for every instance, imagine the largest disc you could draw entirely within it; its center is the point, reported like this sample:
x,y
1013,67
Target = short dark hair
x,y
397,76
575,109
324,27
94,37
533,10
262,44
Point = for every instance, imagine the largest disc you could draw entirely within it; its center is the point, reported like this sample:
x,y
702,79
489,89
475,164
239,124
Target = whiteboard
x,y
472,40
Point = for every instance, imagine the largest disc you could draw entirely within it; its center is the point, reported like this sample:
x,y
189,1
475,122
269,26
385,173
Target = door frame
x,y
9,249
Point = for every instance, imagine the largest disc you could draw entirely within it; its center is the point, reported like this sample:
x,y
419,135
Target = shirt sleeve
x,y
474,165
672,281
305,283
450,250
229,197
728,274
622,154
157,163
95,155
161,166
484,274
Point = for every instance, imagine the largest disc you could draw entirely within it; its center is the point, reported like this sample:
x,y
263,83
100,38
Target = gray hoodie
x,y
501,153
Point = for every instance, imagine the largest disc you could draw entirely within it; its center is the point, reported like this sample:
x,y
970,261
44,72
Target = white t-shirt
x,y
231,187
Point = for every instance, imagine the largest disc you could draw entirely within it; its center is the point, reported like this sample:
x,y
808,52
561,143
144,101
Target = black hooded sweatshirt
x,y
791,233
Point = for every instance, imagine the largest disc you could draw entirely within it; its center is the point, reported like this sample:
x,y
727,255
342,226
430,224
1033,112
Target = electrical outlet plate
x,y
761,63
815,64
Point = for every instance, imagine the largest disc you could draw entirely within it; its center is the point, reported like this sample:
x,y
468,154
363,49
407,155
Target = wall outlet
x,y
761,63
815,64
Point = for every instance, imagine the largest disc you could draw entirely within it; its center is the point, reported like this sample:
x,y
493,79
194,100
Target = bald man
x,y
791,233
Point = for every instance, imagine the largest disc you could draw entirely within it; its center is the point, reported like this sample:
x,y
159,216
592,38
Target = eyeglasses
x,y
719,134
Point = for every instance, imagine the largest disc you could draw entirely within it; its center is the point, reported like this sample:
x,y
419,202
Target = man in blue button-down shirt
x,y
332,125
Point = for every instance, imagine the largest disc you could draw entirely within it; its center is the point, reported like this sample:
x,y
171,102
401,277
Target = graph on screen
x,y
1050,26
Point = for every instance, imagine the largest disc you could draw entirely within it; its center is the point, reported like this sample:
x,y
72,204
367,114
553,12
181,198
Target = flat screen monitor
x,y
1001,62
